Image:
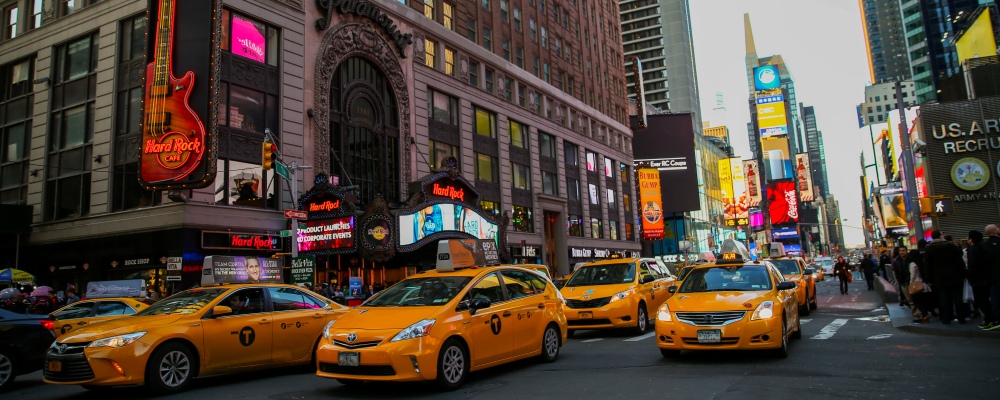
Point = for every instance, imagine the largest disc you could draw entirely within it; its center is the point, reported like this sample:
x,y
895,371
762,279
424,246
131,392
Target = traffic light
x,y
268,156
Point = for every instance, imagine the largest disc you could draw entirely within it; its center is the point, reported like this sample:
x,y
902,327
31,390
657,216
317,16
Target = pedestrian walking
x,y
843,273
980,263
920,293
869,268
992,244
901,271
946,273
884,264
71,296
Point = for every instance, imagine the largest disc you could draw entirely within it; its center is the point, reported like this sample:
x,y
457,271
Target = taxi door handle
x,y
264,321
317,315
506,314
541,306
82,323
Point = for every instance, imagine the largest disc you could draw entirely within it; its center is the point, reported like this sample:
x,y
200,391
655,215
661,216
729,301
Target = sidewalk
x,y
902,319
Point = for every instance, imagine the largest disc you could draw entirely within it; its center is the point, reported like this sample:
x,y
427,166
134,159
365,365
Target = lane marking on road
x,y
882,336
880,318
804,321
643,337
831,329
593,340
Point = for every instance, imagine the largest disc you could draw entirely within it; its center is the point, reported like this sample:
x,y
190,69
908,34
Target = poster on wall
x,y
803,175
303,270
751,173
777,159
782,203
233,269
442,218
651,203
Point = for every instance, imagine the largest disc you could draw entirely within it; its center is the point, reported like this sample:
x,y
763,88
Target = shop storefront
x,y
526,254
588,254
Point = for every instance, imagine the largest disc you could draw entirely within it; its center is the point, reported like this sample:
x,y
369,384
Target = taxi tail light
x,y
48,324
764,311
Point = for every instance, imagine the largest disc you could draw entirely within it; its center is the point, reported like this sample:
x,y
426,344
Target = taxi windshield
x,y
726,279
431,291
183,303
787,267
603,274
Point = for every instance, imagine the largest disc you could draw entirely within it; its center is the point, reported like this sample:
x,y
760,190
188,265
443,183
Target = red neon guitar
x,y
173,135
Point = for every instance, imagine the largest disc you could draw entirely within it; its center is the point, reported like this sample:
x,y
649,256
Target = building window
x,y
449,61
487,38
517,19
519,57
591,161
429,9
471,32
439,151
624,171
10,21
508,87
71,131
572,153
629,232
522,91
36,14
244,30
626,202
545,38
613,229
534,66
541,6
609,170
443,108
538,102
487,169
429,52
533,29
592,191
15,130
612,203
518,134
490,207
545,73
448,15
519,176
474,73
596,230
503,10
489,81
546,145
550,183
486,4
486,123
573,189
523,219
574,224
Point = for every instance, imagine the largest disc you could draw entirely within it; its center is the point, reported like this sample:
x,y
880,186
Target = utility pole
x,y
911,180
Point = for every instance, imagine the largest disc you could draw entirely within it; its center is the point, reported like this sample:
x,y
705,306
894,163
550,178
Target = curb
x,y
902,320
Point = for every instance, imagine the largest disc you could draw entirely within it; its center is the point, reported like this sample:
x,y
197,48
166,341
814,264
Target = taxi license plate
x,y
586,315
712,336
55,366
349,359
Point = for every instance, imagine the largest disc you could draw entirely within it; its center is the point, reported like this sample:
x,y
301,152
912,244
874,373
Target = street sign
x,y
937,206
296,214
286,233
174,278
281,169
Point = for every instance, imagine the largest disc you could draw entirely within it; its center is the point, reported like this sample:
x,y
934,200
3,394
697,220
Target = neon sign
x,y
254,242
448,191
325,206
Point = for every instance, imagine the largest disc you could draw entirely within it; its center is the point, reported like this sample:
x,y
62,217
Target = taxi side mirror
x,y
219,311
810,271
672,289
648,278
786,285
478,304
462,306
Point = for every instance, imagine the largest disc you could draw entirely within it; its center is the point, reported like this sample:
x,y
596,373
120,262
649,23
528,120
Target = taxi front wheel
x,y
170,369
550,344
453,365
642,320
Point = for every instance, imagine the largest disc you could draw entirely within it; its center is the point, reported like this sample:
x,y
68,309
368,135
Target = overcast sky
x,y
823,45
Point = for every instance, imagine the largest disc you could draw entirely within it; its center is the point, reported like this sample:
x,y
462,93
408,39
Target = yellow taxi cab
x,y
242,318
794,269
818,274
105,300
731,304
615,293
442,324
539,268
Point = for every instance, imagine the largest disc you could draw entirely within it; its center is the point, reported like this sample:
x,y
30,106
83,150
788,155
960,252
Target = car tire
x,y
814,303
550,344
453,365
798,329
350,382
782,352
8,369
570,333
670,353
641,320
170,369
804,309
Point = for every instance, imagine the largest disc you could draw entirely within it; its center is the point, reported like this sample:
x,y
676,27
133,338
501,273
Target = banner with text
x,y
751,175
651,200
803,172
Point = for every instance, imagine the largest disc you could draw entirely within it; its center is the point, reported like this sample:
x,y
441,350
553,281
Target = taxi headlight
x,y
764,311
621,295
664,313
326,329
419,329
117,341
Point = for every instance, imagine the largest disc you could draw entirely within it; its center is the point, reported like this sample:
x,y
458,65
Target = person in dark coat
x,y
992,244
842,270
901,271
946,274
884,263
868,268
980,263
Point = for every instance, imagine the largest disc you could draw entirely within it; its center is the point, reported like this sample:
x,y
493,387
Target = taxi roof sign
x,y
733,252
229,269
464,253
121,288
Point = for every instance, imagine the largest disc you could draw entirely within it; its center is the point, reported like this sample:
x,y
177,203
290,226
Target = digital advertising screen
x,y
756,220
229,269
771,119
766,78
444,217
777,158
327,234
782,203
784,233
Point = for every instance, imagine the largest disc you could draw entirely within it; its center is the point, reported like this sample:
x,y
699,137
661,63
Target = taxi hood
x,y
716,301
115,327
385,317
593,291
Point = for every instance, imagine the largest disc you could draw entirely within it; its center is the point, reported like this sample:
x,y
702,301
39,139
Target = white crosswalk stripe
x,y
804,321
643,337
831,329
593,340
882,336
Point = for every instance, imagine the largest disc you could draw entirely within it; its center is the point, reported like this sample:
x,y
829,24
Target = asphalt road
x,y
848,350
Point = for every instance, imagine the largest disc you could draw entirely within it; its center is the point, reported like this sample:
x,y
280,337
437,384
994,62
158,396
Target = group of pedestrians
x,y
45,303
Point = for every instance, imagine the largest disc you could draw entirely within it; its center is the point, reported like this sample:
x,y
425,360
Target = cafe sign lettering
x,y
325,206
256,242
448,191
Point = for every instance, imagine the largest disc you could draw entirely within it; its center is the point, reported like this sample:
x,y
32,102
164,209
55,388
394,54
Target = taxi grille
x,y
359,345
724,341
710,318
368,370
74,367
588,322
592,303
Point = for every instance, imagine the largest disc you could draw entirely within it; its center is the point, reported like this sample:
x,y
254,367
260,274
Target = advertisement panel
x,y
229,269
978,40
303,270
766,78
741,202
726,185
123,288
444,217
777,158
652,204
751,173
784,233
756,220
804,175
893,205
327,234
782,203
667,144
771,119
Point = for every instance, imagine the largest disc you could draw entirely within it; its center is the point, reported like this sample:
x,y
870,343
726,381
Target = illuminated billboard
x,y
766,78
650,198
782,203
735,202
327,234
442,218
756,220
751,174
771,119
804,177
978,40
777,158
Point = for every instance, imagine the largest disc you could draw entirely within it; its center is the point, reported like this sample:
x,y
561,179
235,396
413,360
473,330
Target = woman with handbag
x,y
920,292
843,273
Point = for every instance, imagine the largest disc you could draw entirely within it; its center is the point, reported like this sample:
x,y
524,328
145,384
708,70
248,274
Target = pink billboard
x,y
248,40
